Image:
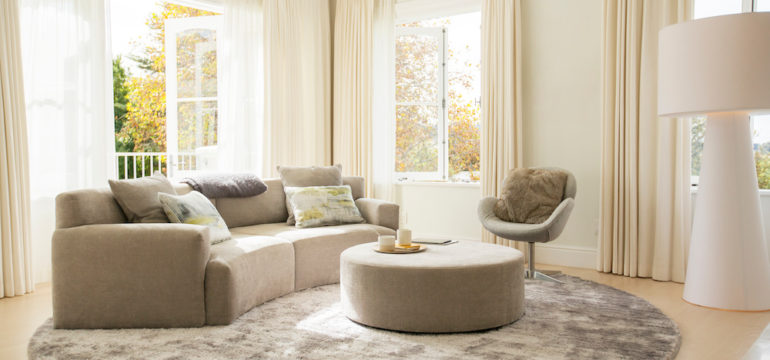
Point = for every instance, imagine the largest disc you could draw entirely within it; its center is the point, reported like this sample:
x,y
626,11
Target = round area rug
x,y
576,320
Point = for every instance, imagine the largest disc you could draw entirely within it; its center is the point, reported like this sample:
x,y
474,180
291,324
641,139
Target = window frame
x,y
442,172
173,27
747,6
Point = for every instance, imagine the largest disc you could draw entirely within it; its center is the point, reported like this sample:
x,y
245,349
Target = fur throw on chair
x,y
529,196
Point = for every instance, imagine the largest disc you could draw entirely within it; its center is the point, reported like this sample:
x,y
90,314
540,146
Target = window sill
x,y
762,192
440,184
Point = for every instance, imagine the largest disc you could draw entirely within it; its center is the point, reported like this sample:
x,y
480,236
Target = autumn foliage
x,y
419,108
145,120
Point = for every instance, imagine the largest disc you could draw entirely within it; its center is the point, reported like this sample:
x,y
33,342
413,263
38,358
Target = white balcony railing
x,y
132,165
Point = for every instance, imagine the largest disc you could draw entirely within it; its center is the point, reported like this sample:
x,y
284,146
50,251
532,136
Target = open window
x,y
438,99
192,89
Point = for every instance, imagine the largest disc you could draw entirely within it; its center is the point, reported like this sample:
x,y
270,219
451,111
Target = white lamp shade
x,y
718,64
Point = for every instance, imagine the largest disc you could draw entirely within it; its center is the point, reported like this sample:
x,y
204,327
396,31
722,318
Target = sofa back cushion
x,y
356,184
98,206
270,206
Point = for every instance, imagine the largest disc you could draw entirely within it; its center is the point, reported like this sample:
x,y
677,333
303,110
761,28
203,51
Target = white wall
x,y
561,46
440,210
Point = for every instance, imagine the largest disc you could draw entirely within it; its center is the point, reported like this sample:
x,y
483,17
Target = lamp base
x,y
728,266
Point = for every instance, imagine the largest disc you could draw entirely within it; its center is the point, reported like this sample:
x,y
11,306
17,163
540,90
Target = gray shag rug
x,y
576,320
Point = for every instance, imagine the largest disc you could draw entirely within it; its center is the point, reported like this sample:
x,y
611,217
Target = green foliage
x,y
120,92
762,160
146,124
464,137
130,167
761,154
697,133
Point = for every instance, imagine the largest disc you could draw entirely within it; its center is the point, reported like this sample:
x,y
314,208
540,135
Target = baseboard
x,y
565,255
42,275
549,254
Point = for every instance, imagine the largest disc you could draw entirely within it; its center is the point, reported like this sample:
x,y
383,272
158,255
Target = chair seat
x,y
543,232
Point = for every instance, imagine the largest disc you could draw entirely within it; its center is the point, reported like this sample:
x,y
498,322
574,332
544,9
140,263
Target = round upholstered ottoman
x,y
466,286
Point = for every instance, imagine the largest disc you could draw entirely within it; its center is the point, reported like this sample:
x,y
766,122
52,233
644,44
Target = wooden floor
x,y
706,334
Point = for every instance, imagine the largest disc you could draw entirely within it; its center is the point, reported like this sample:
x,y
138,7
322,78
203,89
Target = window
x,y
165,87
191,90
760,125
438,99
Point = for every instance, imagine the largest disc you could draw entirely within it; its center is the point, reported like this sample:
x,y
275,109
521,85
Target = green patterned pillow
x,y
194,208
323,205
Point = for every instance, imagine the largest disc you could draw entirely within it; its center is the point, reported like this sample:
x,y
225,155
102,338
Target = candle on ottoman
x,y
404,237
387,242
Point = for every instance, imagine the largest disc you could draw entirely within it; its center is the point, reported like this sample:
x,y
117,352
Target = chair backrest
x,y
570,188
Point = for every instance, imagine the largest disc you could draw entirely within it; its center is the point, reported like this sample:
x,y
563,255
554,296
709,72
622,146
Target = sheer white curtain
x,y
68,88
364,90
384,99
241,117
645,180
15,242
501,119
297,83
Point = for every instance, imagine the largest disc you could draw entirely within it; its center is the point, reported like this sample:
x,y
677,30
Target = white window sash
x,y
440,102
173,27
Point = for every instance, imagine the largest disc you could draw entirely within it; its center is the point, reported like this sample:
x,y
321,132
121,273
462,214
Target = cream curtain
x,y
297,84
241,120
15,239
363,88
501,119
645,188
68,89
384,99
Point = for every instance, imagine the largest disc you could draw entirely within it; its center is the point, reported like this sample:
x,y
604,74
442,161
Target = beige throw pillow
x,y
138,198
529,196
195,208
323,205
301,176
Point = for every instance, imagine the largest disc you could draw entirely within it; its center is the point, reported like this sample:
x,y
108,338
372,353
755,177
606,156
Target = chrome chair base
x,y
540,276
531,273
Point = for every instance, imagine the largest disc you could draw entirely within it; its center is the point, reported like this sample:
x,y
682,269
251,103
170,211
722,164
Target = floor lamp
x,y
720,67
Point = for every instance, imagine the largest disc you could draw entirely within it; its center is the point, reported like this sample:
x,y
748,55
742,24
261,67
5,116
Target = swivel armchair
x,y
546,231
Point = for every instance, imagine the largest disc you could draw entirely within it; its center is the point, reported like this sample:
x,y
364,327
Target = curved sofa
x,y
111,274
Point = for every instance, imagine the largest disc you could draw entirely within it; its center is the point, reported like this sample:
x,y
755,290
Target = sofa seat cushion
x,y
317,250
244,272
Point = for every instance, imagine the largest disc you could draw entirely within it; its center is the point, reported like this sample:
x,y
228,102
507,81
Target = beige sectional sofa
x,y
111,274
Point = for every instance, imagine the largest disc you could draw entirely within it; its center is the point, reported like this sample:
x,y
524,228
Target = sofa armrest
x,y
129,275
379,212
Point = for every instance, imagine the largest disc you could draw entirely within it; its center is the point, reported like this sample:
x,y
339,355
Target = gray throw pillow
x,y
323,205
301,176
529,196
138,198
195,208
